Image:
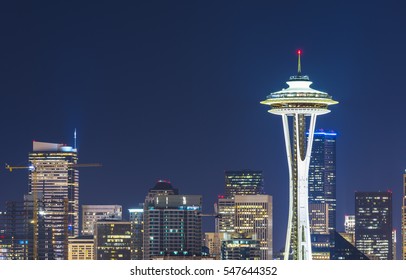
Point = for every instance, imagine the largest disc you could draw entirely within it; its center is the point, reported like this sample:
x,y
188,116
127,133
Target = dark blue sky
x,y
171,89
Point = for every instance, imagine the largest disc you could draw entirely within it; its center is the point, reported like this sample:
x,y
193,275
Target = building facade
x,y
322,174
53,176
244,182
342,249
112,240
373,224
137,233
225,210
319,214
212,240
81,248
240,247
173,226
253,217
92,213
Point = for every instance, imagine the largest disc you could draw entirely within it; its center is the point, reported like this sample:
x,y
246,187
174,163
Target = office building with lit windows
x,y
253,217
81,248
23,235
244,182
342,249
225,211
240,247
92,213
137,233
318,213
322,175
349,224
212,240
172,223
112,240
53,174
373,224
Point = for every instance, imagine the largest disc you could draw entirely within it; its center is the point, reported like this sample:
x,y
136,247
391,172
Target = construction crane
x,y
73,165
33,168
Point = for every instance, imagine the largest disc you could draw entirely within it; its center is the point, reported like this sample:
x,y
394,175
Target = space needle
x,y
303,104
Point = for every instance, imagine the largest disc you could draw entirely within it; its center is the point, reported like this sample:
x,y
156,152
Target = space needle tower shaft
x,y
299,105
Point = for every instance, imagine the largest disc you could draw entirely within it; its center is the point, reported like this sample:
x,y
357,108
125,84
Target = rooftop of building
x,y
164,185
51,147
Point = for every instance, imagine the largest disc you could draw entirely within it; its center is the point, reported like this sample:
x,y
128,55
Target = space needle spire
x,y
299,67
299,105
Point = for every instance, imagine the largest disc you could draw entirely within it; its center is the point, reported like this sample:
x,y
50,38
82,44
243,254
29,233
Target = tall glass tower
x,y
55,177
322,174
373,224
303,104
244,182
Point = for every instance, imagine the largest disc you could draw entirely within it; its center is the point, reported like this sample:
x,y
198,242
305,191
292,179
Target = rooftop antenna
x,y
74,140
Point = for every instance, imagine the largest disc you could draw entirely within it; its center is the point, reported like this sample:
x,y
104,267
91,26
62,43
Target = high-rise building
x,y
16,232
322,174
342,249
299,101
240,247
20,239
253,217
212,240
112,240
320,246
137,233
92,213
373,224
244,182
81,248
394,255
54,176
172,223
349,224
318,213
225,210
349,229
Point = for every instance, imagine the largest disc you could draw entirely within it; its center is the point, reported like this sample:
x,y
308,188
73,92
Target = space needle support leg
x,y
285,123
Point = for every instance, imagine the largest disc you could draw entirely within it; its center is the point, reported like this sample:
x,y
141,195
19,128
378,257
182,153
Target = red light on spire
x,y
299,52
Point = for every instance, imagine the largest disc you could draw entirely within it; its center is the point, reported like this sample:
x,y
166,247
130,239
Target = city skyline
x,y
157,98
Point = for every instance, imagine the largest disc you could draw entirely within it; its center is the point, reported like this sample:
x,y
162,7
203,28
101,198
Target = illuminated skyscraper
x,y
225,210
349,224
253,217
54,176
298,101
112,240
322,174
137,233
172,223
373,224
92,213
244,182
240,247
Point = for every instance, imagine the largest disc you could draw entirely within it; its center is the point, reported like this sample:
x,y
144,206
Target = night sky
x,y
171,90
